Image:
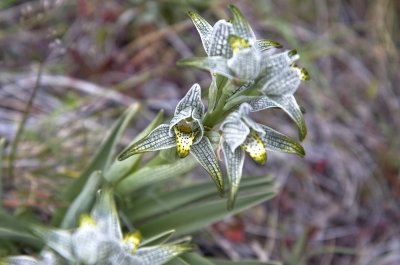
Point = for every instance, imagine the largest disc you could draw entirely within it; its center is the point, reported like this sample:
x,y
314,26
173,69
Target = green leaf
x,y
83,201
203,27
15,229
148,206
195,259
276,141
152,174
216,64
158,239
242,262
2,140
120,169
194,217
204,153
104,154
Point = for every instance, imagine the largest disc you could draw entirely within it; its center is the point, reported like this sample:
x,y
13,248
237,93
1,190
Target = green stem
x,y
216,116
22,123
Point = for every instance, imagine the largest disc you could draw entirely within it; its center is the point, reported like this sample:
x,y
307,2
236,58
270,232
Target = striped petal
x,y
265,45
276,141
204,153
246,60
286,103
240,25
255,147
284,83
219,45
158,139
105,214
216,65
203,27
234,165
158,255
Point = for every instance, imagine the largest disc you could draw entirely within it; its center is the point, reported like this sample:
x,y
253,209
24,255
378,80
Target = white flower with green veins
x,y
234,52
240,134
185,132
99,241
232,48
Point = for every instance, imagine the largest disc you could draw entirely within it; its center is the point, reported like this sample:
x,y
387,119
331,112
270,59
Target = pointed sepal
x,y
158,139
216,65
276,141
204,153
240,25
219,45
203,27
288,104
234,165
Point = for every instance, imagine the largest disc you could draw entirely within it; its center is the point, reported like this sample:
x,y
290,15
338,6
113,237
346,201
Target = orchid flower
x,y
234,52
99,241
185,132
241,134
232,48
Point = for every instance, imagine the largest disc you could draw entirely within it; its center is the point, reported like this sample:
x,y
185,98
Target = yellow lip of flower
x,y
238,43
184,138
255,147
132,240
303,72
86,220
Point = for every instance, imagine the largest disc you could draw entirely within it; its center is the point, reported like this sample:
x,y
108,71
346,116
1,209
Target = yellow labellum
x,y
254,146
303,72
238,43
86,220
133,240
184,139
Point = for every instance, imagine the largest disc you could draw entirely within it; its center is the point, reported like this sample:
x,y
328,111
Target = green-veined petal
x,y
58,240
264,45
240,25
158,139
216,65
276,141
234,130
245,62
286,103
158,255
274,64
234,166
204,153
188,115
105,214
219,45
203,27
284,83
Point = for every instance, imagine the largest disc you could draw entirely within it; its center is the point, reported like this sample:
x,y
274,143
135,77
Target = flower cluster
x,y
99,240
248,75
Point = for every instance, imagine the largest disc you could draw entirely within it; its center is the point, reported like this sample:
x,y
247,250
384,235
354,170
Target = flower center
x,y
132,241
255,147
237,43
86,221
184,138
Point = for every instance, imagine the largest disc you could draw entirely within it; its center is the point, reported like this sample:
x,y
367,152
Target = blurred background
x,y
338,205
